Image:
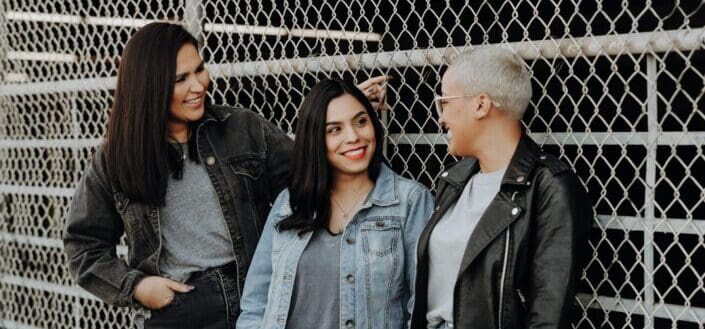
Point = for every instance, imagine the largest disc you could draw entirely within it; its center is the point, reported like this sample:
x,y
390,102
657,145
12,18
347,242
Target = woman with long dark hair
x,y
189,183
338,245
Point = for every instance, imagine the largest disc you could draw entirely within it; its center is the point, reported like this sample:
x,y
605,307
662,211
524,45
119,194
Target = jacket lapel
x,y
496,218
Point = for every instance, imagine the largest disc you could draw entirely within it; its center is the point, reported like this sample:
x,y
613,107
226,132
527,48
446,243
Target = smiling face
x,y
350,136
190,86
458,117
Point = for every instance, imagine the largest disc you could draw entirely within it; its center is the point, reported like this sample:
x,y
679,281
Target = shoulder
x,y
411,191
410,185
237,113
97,169
281,207
555,177
552,164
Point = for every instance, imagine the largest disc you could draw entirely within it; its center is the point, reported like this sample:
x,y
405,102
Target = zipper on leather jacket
x,y
501,282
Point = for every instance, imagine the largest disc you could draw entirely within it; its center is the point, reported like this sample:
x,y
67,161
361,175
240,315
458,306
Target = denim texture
x,y
377,260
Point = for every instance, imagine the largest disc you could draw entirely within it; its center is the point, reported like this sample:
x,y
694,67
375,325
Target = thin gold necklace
x,y
346,214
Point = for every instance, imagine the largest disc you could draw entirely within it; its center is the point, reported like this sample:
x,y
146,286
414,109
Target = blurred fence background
x,y
618,94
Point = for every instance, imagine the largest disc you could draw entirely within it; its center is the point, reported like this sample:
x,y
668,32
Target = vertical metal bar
x,y
76,135
385,124
649,201
193,17
4,102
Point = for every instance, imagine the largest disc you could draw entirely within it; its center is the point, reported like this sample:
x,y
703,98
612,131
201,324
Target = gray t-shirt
x,y
448,241
194,234
315,301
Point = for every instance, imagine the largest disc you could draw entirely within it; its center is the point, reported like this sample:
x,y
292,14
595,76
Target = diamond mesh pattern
x,y
618,94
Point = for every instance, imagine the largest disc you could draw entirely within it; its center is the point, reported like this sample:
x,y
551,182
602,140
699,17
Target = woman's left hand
x,y
375,89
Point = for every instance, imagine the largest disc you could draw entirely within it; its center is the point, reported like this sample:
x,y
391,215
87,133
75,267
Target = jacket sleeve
x,y
562,224
279,152
91,233
254,295
419,213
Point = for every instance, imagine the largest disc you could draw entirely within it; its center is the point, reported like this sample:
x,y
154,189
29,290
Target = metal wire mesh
x,y
618,93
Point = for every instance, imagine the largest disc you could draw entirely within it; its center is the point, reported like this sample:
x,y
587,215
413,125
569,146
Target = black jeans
x,y
214,303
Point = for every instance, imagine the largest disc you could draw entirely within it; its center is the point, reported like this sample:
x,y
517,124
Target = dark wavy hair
x,y
311,177
138,156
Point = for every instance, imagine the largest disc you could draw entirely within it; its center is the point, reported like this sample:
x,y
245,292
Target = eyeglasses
x,y
438,101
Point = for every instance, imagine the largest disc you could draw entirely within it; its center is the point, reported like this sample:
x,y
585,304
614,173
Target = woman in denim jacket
x,y
338,248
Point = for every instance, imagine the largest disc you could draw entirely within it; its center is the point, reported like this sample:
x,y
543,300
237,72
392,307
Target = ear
x,y
483,108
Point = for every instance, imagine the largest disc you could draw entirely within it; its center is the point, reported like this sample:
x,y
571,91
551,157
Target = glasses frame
x,y
439,106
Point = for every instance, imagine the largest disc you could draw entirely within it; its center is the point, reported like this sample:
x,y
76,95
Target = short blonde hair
x,y
497,72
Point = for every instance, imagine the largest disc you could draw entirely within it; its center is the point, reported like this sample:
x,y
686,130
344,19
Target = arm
x,y
254,295
278,162
419,212
563,221
92,230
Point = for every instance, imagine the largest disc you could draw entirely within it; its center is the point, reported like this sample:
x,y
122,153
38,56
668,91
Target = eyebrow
x,y
362,112
181,75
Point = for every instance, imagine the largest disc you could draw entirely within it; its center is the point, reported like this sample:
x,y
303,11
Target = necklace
x,y
346,214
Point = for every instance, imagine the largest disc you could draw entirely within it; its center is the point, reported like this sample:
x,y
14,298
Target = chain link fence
x,y
618,93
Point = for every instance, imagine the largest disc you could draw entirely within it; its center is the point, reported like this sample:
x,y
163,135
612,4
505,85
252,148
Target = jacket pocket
x,y
248,165
380,236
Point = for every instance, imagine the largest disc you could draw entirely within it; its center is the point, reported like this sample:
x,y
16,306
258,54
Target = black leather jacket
x,y
524,257
247,160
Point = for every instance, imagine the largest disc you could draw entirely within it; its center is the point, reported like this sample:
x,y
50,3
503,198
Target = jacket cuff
x,y
127,292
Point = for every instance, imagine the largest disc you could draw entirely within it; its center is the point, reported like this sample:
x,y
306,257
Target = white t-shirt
x,y
449,239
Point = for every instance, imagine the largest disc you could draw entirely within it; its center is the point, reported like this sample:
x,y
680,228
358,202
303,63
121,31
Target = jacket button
x,y
210,161
350,278
350,240
444,174
542,157
287,277
520,179
350,324
515,211
379,224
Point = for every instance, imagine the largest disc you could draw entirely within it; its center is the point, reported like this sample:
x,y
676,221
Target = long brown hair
x,y
138,156
311,176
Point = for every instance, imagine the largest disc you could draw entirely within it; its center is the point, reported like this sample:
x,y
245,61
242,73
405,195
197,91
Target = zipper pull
x,y
521,298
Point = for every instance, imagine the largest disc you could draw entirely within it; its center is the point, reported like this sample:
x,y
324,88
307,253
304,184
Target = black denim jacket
x,y
247,160
523,259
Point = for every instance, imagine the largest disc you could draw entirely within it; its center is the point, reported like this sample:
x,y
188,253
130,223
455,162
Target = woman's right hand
x,y
155,292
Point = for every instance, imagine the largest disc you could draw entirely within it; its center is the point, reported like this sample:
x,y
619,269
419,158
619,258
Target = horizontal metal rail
x,y
631,306
666,138
555,138
36,190
607,45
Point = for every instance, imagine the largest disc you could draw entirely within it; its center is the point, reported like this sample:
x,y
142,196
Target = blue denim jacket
x,y
378,249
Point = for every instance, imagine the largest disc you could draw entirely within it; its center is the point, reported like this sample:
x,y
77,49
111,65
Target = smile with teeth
x,y
356,153
194,101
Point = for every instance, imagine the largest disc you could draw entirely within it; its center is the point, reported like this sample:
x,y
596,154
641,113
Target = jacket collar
x,y
215,113
518,171
386,189
384,193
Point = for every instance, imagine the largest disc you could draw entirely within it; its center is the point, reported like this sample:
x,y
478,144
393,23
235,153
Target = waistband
x,y
226,268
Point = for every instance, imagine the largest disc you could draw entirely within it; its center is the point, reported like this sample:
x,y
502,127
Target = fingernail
x,y
191,287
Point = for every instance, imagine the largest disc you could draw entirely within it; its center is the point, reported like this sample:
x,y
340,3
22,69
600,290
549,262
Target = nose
x,y
441,121
351,136
196,85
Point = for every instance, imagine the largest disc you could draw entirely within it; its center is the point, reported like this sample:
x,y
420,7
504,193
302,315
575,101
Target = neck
x,y
500,150
179,133
350,184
